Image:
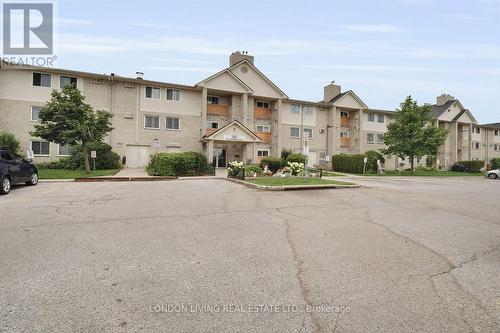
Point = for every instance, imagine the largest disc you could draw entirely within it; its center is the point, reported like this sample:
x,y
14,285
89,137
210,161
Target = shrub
x,y
296,168
495,163
348,163
373,156
273,163
250,170
285,153
459,168
297,158
9,142
473,166
177,164
235,169
106,158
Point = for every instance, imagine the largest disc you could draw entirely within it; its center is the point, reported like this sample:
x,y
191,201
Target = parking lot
x,y
399,254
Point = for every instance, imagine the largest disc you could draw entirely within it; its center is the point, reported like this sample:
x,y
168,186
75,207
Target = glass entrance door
x,y
219,158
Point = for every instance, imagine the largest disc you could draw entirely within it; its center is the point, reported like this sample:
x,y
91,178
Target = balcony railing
x,y
261,113
266,137
345,121
345,142
218,109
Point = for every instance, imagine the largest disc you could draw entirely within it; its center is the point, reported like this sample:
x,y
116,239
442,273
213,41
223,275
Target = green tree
x,y
67,119
9,142
412,133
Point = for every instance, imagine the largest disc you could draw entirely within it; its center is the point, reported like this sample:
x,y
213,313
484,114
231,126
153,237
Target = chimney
x,y
331,91
238,56
139,75
441,100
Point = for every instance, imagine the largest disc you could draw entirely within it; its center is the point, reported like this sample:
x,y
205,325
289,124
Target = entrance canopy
x,y
233,132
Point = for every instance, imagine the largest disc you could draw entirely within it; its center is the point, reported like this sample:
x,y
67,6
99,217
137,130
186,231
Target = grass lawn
x,y
278,181
332,174
428,174
71,174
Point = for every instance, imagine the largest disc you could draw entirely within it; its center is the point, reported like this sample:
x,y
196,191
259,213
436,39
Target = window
x,y
497,132
475,145
344,114
380,118
380,138
152,92
35,111
263,128
309,132
66,80
173,95
214,124
344,134
42,80
213,100
496,147
369,137
263,105
40,147
308,110
173,123
64,150
371,117
295,132
262,153
295,108
152,122
476,130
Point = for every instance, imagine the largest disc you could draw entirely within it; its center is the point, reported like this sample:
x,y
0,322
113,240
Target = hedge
x,y
251,169
473,166
495,163
178,164
273,163
348,163
295,157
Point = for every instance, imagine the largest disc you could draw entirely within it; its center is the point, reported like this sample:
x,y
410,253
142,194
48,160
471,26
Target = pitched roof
x,y
348,92
492,125
234,122
438,110
228,71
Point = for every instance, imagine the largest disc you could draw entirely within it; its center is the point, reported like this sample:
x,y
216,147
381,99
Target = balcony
x,y
345,142
261,113
266,137
218,109
345,121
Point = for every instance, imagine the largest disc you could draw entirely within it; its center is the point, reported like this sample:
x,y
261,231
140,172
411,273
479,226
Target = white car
x,y
492,174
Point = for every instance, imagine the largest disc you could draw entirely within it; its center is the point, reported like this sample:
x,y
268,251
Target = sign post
x,y
365,160
93,155
305,136
157,145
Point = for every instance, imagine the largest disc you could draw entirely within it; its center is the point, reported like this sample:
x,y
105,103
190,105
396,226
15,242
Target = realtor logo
x,y
28,28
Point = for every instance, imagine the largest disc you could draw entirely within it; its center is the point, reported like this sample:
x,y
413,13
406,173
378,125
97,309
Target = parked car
x,y
492,174
14,170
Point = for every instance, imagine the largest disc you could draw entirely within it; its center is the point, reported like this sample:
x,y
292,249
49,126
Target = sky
x,y
382,50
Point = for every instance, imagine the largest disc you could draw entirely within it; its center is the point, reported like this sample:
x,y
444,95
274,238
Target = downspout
x,y
137,114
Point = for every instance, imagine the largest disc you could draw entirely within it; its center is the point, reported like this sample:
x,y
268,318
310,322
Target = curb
x,y
123,179
291,187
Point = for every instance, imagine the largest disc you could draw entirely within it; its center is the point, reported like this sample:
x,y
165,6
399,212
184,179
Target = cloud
x,y
183,69
70,21
373,28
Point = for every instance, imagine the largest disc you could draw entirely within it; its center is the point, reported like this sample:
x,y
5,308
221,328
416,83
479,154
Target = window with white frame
x,y
153,92
263,128
344,134
476,145
308,110
380,118
213,100
370,137
380,138
214,124
371,117
476,130
173,95
35,112
294,132
173,123
40,147
496,147
152,122
263,105
497,132
42,80
295,108
308,132
64,150
67,80
263,152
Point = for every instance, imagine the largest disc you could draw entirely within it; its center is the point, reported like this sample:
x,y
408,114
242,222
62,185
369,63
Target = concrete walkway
x,y
131,172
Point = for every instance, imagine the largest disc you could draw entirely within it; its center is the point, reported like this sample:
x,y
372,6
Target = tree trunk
x,y
412,162
86,157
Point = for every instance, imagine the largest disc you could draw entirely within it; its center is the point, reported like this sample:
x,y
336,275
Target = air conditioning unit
x,y
95,80
128,115
129,85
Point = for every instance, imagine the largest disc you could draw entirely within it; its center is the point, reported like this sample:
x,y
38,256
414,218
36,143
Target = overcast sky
x,y
383,50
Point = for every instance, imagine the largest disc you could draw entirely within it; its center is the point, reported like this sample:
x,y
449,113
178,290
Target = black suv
x,y
15,169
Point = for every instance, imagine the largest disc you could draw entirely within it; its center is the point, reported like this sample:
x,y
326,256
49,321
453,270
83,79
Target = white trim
x,y
214,122
152,128
58,154
173,129
211,96
173,100
68,76
261,107
41,79
152,88
290,133
31,114
312,132
268,152
39,140
267,126
373,136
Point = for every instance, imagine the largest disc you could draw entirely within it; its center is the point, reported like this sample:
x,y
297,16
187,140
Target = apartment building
x,y
235,114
